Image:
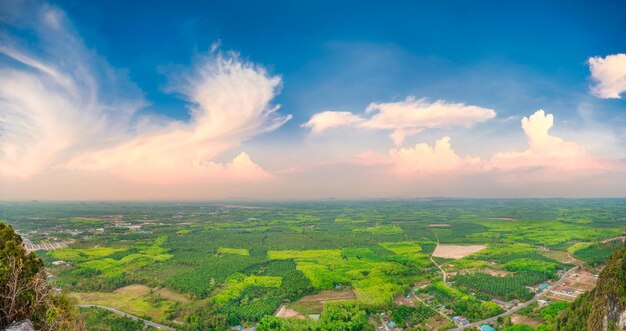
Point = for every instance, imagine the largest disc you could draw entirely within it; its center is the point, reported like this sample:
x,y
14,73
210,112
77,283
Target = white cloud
x,y
422,159
70,110
419,113
53,107
405,118
546,151
609,75
331,119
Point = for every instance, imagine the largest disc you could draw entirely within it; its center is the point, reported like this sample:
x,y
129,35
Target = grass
x,y
73,254
139,305
389,229
237,251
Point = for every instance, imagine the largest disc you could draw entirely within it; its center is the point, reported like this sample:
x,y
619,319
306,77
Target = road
x,y
520,306
121,313
445,276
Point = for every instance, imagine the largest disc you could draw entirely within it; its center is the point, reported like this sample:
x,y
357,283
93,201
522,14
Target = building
x,y
460,320
487,327
543,287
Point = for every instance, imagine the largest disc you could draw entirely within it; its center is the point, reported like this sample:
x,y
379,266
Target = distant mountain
x,y
603,308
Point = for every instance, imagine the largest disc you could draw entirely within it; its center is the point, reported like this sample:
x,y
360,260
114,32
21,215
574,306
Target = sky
x,y
186,100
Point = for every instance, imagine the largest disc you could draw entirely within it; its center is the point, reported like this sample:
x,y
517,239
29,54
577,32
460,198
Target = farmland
x,y
196,265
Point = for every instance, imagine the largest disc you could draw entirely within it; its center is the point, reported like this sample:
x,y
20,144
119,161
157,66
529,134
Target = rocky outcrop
x,y
23,325
604,308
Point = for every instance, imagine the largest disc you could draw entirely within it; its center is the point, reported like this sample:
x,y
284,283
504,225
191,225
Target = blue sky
x,y
342,56
379,49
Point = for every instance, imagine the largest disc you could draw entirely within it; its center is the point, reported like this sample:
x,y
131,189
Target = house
x,y
460,320
543,287
542,302
487,327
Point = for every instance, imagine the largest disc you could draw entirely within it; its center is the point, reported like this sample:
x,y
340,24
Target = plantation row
x,y
506,288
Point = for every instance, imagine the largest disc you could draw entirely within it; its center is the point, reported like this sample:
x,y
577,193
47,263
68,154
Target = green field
x,y
203,266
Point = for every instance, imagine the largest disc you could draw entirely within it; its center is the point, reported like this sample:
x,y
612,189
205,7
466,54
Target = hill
x,y
603,308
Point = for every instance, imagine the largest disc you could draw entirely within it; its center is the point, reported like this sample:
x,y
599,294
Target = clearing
x,y
285,312
313,304
139,290
456,251
521,319
495,272
574,285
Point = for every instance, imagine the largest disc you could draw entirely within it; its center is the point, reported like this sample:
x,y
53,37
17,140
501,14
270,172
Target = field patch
x,y
237,283
439,225
135,289
374,278
285,312
238,251
495,272
381,229
314,304
456,251
147,306
521,319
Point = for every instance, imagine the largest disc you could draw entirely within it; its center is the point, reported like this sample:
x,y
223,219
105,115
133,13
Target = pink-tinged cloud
x,y
419,113
231,103
405,118
547,151
71,110
609,76
422,159
544,153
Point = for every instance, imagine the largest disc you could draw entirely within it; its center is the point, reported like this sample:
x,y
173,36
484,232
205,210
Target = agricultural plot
x,y
375,279
456,251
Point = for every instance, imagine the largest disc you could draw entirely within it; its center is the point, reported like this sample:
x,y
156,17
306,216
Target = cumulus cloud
x,y
67,109
546,151
405,118
422,159
609,76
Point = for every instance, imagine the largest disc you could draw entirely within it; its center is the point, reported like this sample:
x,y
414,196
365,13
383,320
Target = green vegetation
x,y
405,315
210,266
24,290
238,251
103,320
507,287
597,254
346,316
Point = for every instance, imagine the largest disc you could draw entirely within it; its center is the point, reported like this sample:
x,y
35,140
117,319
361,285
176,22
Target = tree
x,y
24,289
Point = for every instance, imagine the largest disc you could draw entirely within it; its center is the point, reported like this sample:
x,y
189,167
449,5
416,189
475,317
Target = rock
x,y
23,325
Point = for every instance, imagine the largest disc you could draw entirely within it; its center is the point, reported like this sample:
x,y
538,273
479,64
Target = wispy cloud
x,y
609,76
67,109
